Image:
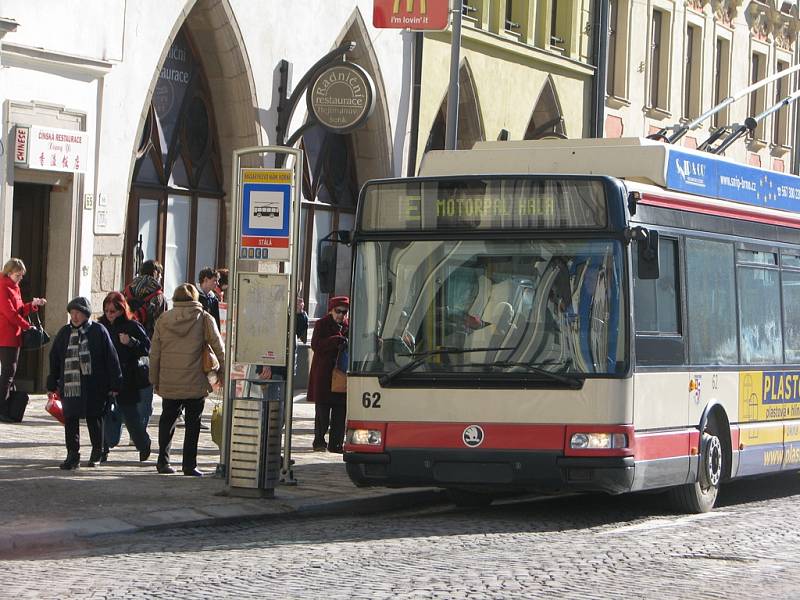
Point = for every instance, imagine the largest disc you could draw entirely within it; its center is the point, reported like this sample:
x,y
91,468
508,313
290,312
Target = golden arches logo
x,y
423,6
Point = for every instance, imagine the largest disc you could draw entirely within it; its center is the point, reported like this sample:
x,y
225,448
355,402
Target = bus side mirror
x,y
647,253
326,259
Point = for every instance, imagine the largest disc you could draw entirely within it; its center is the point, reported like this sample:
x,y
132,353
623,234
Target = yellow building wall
x,y
508,78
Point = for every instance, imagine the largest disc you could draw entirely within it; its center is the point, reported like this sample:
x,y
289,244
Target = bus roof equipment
x,y
634,159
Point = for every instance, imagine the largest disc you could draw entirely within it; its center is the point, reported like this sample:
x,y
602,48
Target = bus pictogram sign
x,y
266,208
418,15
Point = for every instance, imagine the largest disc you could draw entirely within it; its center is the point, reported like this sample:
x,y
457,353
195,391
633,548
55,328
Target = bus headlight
x,y
364,437
598,441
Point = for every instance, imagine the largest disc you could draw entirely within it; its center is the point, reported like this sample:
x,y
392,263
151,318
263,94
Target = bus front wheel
x,y
700,496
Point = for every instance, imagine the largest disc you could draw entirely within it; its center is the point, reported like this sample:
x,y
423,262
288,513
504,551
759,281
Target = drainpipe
x,y
451,130
796,111
416,92
600,52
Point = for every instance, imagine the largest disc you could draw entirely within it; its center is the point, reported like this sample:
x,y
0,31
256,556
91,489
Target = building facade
x,y
119,121
526,73
671,61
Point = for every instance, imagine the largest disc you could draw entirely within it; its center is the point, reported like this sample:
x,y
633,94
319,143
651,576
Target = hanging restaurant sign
x,y
341,97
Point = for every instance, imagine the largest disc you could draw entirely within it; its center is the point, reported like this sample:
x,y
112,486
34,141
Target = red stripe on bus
x,y
736,212
664,444
735,437
496,436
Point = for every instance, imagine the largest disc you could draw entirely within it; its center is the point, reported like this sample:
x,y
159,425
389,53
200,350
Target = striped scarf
x,y
78,361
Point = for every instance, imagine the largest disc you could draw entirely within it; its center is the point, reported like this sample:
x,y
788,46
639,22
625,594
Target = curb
x,y
17,544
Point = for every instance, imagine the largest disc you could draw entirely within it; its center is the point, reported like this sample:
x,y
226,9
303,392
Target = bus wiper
x,y
573,381
420,357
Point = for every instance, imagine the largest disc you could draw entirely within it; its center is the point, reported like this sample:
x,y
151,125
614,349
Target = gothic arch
x,y
470,123
372,143
546,118
221,49
220,92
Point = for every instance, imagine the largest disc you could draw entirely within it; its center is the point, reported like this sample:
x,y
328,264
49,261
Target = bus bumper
x,y
502,470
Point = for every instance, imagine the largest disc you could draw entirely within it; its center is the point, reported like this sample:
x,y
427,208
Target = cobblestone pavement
x,y
581,547
42,505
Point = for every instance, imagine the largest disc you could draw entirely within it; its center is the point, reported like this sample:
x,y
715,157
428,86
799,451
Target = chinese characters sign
x,y
418,15
51,149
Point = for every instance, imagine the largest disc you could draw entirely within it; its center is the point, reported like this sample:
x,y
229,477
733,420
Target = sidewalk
x,y
42,505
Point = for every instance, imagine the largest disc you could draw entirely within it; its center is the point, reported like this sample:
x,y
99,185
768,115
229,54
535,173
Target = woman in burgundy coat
x,y
330,335
12,323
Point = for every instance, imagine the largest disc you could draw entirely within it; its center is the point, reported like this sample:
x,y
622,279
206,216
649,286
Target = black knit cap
x,y
82,304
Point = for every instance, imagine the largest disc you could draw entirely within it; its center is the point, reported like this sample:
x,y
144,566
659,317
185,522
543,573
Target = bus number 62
x,y
371,400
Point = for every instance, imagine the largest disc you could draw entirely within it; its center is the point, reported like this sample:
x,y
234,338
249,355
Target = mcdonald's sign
x,y
411,14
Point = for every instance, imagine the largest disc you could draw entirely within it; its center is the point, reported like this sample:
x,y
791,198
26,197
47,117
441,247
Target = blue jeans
x,y
131,415
145,405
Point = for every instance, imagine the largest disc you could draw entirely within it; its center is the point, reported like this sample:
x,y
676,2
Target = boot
x,y
72,462
95,457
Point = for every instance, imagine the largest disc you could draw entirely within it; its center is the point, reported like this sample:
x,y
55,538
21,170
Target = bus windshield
x,y
489,308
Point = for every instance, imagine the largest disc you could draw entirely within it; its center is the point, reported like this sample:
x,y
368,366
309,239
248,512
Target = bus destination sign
x,y
483,204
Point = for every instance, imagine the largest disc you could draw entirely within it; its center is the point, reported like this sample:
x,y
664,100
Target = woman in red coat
x,y
330,335
12,324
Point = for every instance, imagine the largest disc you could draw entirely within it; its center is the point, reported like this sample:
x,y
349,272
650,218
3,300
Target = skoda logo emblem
x,y
473,436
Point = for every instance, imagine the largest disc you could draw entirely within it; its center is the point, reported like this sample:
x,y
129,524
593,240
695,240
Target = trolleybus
x,y
575,315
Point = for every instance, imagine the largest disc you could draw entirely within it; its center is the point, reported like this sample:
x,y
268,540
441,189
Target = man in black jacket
x,y
207,281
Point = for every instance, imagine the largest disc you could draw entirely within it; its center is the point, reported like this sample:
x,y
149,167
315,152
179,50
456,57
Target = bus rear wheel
x,y
700,496
468,498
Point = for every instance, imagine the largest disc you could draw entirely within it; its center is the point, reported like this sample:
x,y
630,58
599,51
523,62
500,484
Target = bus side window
x,y
657,301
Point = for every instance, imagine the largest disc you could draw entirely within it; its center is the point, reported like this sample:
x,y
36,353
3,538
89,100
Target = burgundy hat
x,y
338,301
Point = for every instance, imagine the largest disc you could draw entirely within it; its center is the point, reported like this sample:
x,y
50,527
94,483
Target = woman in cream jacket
x,y
176,372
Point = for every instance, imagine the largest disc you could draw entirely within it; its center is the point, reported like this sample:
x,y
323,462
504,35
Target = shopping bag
x,y
112,425
217,424
54,406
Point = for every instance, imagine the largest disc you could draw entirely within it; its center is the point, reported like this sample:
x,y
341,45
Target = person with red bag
x,y
85,371
13,323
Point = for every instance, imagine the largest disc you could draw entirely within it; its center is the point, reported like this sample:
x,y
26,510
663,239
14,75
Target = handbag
x,y
210,361
54,406
141,373
338,381
339,374
35,336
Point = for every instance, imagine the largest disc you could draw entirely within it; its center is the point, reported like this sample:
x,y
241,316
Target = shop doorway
x,y
29,243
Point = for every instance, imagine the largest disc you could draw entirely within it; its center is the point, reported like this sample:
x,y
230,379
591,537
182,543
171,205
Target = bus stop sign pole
x,y
264,233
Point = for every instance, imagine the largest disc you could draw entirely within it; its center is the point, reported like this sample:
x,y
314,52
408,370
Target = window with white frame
x,y
780,119
658,89
618,44
722,79
692,71
756,102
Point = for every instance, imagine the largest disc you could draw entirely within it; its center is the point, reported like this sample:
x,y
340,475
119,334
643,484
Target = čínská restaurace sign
x,y
342,97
